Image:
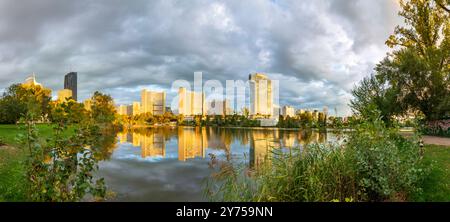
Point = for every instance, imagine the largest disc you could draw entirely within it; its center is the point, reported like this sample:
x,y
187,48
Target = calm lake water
x,y
171,164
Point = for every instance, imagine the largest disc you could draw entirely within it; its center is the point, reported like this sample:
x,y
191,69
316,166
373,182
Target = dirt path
x,y
432,140
442,141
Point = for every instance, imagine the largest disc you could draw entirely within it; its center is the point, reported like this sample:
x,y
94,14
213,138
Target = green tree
x,y
306,119
18,100
420,64
75,112
61,168
11,107
373,93
444,4
103,109
322,119
198,120
245,112
180,119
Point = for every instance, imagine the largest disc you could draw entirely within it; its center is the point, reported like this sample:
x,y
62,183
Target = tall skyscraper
x,y
125,110
122,110
153,102
261,98
191,103
70,82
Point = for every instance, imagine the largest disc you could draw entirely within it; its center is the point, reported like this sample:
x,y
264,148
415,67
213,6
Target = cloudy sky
x,y
317,49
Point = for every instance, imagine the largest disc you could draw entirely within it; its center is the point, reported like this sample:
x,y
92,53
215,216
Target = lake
x,y
171,164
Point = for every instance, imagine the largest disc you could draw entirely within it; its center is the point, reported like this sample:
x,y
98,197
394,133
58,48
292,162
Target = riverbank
x,y
375,164
12,178
12,157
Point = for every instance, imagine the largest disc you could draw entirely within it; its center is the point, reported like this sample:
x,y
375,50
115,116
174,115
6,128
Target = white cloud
x,y
319,48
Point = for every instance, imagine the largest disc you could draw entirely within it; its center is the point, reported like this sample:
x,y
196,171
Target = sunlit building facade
x,y
125,110
153,102
64,95
31,82
261,97
219,107
191,103
288,111
136,108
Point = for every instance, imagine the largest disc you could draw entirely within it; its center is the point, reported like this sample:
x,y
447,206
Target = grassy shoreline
x,y
12,179
12,172
12,157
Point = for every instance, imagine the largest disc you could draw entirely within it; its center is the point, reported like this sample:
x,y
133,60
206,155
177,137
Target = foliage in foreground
x,y
376,164
61,169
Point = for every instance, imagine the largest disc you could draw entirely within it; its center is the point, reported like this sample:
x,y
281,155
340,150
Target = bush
x,y
435,128
431,131
386,165
62,168
376,164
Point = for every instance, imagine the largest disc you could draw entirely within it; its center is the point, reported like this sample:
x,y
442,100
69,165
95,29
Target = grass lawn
x,y
437,185
12,173
8,133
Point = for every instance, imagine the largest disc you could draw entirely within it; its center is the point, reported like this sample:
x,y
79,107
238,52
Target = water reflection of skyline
x,y
160,164
195,142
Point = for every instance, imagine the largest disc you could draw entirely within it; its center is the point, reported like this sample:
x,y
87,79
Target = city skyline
x,y
259,90
322,49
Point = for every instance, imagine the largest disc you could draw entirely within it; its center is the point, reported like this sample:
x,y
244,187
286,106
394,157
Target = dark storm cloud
x,y
317,49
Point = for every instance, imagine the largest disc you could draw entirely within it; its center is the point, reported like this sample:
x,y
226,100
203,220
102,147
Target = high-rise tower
x,y
153,102
261,98
70,82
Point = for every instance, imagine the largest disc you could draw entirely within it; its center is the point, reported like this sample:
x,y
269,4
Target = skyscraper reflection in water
x,y
152,144
197,142
192,143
